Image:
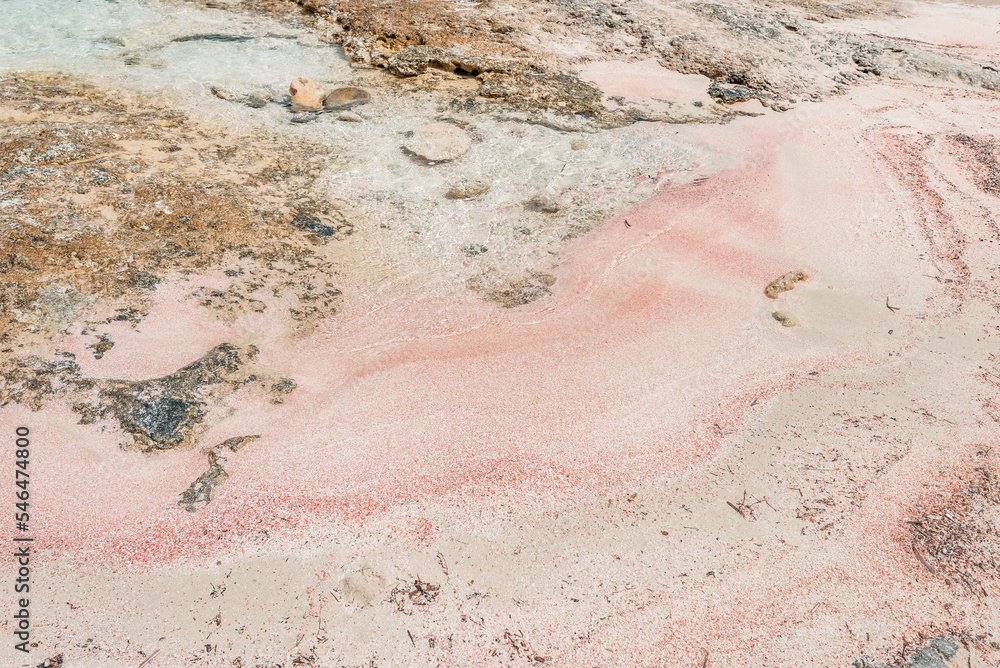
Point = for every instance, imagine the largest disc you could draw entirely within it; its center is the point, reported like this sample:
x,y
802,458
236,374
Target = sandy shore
x,y
643,469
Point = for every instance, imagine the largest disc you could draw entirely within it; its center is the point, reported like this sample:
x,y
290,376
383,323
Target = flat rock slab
x,y
345,98
439,142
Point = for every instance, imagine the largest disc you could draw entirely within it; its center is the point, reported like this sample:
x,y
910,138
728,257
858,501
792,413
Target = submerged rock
x,y
212,37
543,203
304,117
439,142
254,98
345,98
469,188
350,117
473,250
784,283
307,95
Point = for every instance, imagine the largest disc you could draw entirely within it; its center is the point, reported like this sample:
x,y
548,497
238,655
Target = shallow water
x,y
134,43
176,54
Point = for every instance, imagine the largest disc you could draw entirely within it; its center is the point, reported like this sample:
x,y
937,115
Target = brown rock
x,y
307,95
469,188
345,98
784,283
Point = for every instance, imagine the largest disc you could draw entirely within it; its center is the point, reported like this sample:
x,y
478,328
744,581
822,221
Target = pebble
x,y
473,250
254,102
785,318
307,95
345,98
304,117
349,116
784,283
469,188
439,142
543,203
578,145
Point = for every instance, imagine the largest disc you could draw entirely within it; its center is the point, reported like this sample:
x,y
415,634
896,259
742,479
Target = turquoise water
x,y
133,43
156,50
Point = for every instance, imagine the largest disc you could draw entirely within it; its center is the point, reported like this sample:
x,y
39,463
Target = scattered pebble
x,y
345,98
785,318
439,142
307,95
304,117
349,116
255,102
578,145
469,188
784,283
543,203
474,249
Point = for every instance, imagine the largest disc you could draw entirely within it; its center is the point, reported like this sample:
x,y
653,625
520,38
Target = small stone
x,y
304,117
254,102
307,95
345,98
578,145
474,249
543,203
469,188
438,142
349,116
785,318
784,283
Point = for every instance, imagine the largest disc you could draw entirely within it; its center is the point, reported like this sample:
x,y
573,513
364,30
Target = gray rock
x,y
213,37
926,657
947,647
474,249
202,491
728,94
251,97
304,117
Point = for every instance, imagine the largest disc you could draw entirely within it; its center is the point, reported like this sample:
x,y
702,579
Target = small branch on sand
x,y
149,658
913,546
891,308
